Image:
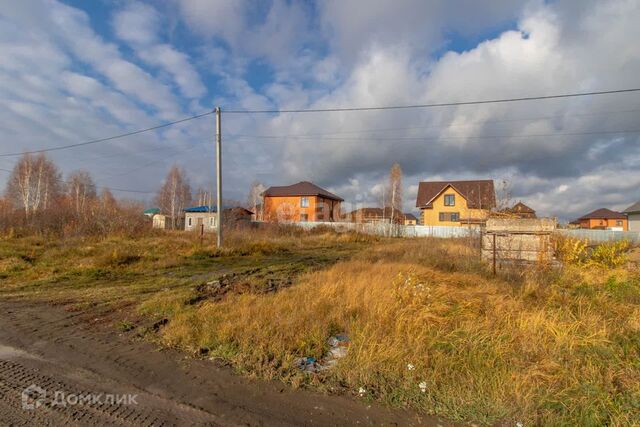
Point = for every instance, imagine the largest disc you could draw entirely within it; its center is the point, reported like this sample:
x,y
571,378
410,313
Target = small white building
x,y
198,217
159,221
633,216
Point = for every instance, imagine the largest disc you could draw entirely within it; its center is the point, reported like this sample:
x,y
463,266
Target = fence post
x,y
201,234
494,254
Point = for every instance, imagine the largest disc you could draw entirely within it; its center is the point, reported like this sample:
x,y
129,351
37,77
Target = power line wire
x,y
365,131
433,105
439,138
110,138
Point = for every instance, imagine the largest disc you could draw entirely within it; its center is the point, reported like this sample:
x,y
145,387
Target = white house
x,y
197,217
633,216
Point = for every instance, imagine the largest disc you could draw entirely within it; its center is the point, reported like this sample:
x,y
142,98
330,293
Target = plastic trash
x,y
338,348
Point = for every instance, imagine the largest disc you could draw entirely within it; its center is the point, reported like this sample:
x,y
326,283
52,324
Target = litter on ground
x,y
338,348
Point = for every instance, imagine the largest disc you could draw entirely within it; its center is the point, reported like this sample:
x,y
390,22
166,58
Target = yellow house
x,y
456,203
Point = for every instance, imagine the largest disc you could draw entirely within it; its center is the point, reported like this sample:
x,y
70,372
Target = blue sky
x,y
78,70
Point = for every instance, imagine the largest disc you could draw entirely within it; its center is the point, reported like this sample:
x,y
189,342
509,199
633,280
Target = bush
x,y
571,251
610,255
577,252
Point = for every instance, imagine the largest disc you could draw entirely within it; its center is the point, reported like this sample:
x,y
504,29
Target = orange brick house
x,y
456,203
604,219
300,202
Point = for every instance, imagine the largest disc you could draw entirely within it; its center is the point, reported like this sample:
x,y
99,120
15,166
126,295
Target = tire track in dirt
x,y
77,353
53,409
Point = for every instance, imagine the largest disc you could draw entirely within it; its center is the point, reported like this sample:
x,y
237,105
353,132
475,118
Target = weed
x,y
125,326
610,255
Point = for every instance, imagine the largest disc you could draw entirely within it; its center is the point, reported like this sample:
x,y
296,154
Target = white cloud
x,y
274,30
64,81
139,25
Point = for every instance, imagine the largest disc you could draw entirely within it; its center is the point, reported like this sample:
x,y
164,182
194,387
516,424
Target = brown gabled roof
x,y
522,208
604,213
633,208
410,216
303,188
479,194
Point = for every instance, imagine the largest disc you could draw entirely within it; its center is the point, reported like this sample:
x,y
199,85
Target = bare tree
x,y
35,184
254,201
204,197
395,192
504,195
81,190
174,195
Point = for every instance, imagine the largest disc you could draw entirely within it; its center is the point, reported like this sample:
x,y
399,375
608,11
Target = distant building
x,y
160,221
206,217
410,219
197,217
521,210
633,216
375,215
456,203
151,212
604,219
300,202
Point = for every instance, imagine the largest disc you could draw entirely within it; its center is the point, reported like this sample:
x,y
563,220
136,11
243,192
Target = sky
x,y
76,70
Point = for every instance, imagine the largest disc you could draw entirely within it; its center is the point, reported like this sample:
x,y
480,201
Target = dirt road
x,y
90,374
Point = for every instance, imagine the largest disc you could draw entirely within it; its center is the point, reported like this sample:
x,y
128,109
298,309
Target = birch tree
x,y
204,197
34,184
255,198
174,195
81,191
395,191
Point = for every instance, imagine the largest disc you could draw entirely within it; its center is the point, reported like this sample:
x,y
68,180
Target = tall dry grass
x,y
551,348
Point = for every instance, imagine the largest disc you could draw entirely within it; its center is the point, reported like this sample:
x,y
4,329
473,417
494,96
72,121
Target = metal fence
x,y
396,230
600,236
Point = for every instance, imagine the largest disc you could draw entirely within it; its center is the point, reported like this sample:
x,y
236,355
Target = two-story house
x,y
604,219
300,202
456,203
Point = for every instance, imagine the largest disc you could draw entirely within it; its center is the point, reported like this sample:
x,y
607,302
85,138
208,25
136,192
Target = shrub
x,y
571,251
610,255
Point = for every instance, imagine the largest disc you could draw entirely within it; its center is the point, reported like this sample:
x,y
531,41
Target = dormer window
x,y
449,199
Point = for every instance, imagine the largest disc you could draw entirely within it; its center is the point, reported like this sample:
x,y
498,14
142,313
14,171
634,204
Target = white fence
x,y
601,236
386,229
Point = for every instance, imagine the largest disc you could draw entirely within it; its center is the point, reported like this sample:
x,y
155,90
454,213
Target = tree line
x,y
38,200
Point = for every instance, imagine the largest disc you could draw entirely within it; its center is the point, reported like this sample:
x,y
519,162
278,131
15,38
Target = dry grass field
x,y
429,328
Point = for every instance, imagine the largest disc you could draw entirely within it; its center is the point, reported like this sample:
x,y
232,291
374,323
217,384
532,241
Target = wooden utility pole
x,y
219,176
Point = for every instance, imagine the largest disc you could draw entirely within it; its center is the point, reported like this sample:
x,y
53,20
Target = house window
x,y
449,199
619,223
304,202
304,217
449,216
211,222
189,221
